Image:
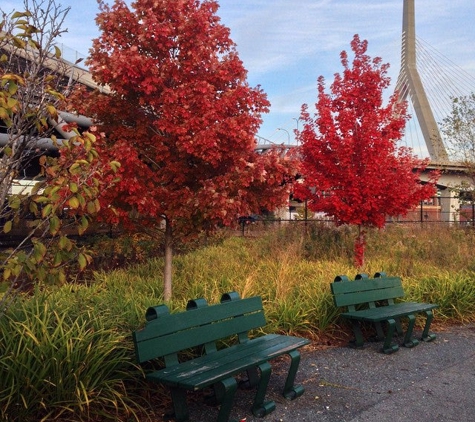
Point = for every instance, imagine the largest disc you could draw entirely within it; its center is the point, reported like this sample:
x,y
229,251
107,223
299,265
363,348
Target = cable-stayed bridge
x,y
430,82
443,81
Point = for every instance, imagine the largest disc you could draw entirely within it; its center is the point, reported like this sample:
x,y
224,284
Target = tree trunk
x,y
167,273
360,246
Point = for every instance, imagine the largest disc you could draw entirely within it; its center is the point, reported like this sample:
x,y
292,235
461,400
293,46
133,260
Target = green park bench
x,y
204,332
373,300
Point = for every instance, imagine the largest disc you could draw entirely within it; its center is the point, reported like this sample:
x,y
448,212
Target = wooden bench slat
x,y
383,313
362,285
157,346
174,322
206,370
368,296
364,291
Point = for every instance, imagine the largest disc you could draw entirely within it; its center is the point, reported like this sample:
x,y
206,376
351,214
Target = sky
x,y
287,44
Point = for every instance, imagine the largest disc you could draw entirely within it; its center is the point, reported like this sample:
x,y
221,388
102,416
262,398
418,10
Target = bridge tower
x,y
409,84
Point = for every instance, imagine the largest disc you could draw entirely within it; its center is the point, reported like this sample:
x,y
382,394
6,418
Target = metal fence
x,y
71,55
437,210
441,209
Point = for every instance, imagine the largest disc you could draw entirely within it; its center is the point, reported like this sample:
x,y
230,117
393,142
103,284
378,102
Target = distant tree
x,y
352,168
183,120
459,130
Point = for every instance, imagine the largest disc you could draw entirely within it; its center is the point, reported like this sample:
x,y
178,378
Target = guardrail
x,y
73,56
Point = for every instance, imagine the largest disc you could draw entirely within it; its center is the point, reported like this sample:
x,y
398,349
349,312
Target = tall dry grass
x,y
291,268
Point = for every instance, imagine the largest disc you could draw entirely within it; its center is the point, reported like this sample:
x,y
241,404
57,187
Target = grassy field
x,y
66,352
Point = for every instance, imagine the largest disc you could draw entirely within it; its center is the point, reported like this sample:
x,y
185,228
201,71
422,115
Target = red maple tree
x,y
181,119
352,168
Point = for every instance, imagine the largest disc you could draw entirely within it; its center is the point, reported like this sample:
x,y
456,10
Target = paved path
x,y
431,382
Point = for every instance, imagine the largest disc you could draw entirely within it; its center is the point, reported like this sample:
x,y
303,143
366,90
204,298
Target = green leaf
x,y
39,251
83,225
7,272
75,168
19,43
17,269
4,115
12,88
15,202
73,202
41,199
18,15
46,211
7,227
52,111
91,207
57,52
115,165
82,261
65,244
62,277
12,103
51,190
54,224
73,187
81,199
33,208
89,136
58,259
35,44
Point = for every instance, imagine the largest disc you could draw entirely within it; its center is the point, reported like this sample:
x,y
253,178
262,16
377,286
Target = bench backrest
x,y
364,290
167,334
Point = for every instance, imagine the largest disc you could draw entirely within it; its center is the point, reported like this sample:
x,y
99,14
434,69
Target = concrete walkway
x,y
431,382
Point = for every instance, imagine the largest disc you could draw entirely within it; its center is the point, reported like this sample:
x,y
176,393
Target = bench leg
x,y
359,339
180,406
292,391
228,387
388,347
399,329
259,408
426,336
379,330
252,379
408,340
